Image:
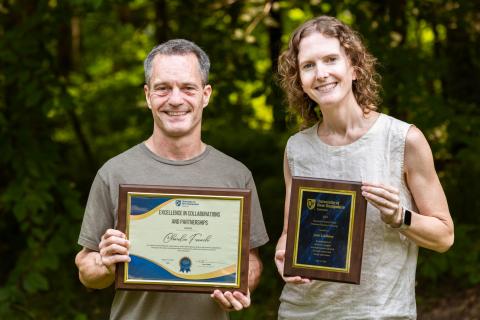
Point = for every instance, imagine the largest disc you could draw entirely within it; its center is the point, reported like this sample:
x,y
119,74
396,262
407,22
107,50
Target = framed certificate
x,y
184,239
326,229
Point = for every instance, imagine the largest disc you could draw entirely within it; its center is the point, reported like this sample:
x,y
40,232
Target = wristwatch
x,y
406,219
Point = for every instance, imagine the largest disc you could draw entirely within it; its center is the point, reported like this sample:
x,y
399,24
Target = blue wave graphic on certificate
x,y
143,206
144,270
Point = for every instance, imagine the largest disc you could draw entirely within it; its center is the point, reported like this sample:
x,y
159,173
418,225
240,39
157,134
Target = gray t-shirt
x,y
139,165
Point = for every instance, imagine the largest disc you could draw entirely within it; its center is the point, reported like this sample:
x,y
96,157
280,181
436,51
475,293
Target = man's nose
x,y
176,98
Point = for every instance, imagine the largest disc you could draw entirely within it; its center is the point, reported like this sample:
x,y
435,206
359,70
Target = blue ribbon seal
x,y
185,264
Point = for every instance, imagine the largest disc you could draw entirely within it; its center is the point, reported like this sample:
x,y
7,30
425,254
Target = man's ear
x,y
147,97
207,92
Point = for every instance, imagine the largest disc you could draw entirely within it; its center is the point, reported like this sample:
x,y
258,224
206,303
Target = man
x,y
177,91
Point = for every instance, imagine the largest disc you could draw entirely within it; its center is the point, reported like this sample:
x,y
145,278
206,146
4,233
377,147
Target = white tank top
x,y
387,284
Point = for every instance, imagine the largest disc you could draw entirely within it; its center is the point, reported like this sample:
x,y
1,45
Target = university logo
x,y
178,203
311,203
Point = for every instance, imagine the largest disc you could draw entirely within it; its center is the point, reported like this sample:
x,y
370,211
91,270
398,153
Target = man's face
x,y
325,71
176,95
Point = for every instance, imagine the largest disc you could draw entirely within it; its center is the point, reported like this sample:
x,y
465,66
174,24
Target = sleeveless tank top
x,y
387,284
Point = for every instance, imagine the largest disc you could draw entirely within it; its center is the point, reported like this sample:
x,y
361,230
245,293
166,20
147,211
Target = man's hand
x,y
96,269
280,262
230,301
113,249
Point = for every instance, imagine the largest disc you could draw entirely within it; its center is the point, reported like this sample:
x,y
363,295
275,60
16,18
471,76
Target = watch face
x,y
407,219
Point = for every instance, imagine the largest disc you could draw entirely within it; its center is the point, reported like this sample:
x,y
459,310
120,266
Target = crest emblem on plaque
x,y
311,203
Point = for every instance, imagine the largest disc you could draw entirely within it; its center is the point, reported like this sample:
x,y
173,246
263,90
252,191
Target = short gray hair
x,y
178,47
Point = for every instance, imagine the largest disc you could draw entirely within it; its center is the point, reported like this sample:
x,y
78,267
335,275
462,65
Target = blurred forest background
x,y
71,96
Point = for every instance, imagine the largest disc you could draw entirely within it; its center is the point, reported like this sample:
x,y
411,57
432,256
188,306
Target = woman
x,y
330,81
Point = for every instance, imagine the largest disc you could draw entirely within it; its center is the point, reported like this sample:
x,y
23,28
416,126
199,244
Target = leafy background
x,y
71,97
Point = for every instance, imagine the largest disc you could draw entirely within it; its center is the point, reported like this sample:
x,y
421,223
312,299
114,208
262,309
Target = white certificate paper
x,y
179,239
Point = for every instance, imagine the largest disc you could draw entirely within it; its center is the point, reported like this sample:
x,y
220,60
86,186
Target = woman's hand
x,y
280,262
387,200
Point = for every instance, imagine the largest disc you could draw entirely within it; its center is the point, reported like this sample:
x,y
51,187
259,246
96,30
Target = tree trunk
x,y
275,44
161,22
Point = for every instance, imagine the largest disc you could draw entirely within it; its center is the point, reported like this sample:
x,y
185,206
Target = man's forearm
x,y
255,268
92,272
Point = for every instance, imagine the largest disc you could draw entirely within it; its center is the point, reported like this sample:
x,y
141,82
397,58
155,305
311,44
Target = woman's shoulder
x,y
304,134
393,122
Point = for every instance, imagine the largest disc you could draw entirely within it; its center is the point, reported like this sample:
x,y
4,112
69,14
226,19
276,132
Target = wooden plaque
x,y
184,239
326,228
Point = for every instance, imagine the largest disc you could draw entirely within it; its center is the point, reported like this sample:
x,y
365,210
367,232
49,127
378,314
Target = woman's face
x,y
325,71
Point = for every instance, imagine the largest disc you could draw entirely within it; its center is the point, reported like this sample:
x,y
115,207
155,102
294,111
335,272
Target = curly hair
x,y
366,86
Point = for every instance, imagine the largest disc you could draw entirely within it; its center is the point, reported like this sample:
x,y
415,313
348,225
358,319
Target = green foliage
x,y
71,96
466,256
